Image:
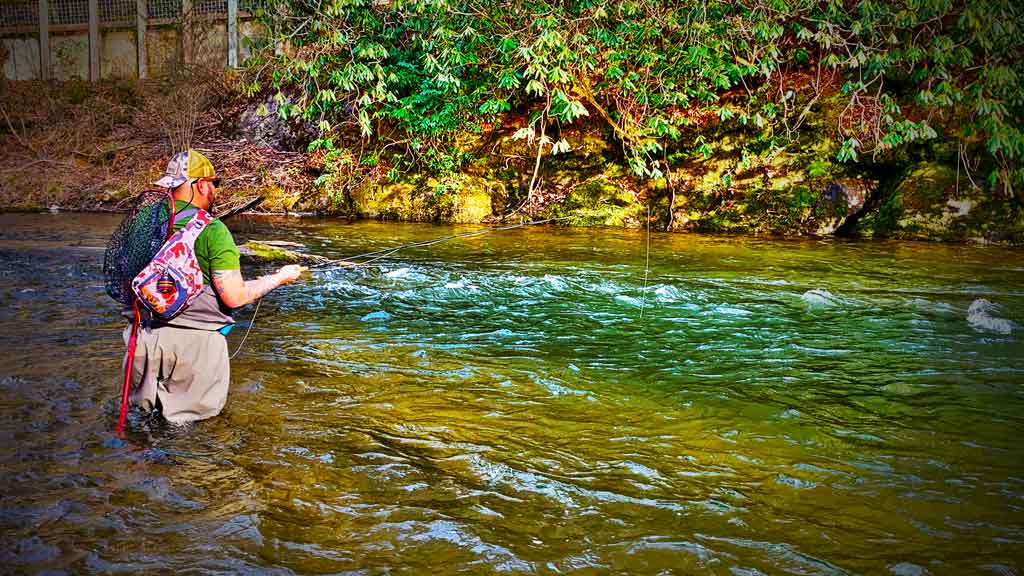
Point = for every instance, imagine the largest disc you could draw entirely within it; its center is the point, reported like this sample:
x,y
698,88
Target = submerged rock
x,y
980,317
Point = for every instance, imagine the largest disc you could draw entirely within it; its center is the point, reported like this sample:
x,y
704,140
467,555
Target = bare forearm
x,y
235,292
258,288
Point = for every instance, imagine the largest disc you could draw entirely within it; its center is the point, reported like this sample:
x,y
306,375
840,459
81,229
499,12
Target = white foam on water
x,y
667,293
628,300
731,310
605,288
819,297
401,272
979,317
555,282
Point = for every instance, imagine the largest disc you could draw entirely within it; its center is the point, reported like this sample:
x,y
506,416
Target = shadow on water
x,y
499,405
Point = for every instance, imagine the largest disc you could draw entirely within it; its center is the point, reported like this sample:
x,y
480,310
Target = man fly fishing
x,y
177,364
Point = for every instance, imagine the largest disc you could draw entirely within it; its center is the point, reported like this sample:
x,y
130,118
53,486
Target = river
x,y
541,400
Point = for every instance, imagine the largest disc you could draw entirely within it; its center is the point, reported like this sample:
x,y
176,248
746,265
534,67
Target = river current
x,y
541,400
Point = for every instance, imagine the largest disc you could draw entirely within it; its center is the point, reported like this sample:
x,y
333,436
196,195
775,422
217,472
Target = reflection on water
x,y
499,405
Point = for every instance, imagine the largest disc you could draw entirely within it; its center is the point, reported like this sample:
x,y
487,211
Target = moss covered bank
x,y
734,182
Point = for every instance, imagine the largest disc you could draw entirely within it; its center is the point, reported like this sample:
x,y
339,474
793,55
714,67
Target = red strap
x,y
170,219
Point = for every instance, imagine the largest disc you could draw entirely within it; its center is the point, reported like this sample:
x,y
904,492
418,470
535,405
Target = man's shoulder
x,y
216,228
217,236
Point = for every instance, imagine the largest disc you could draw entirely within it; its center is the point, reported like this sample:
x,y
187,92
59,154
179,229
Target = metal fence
x,y
121,11
210,6
66,12
14,14
70,41
25,13
163,8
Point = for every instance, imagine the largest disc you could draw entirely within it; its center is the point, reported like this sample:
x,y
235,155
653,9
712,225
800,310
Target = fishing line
x,y
247,330
383,253
647,264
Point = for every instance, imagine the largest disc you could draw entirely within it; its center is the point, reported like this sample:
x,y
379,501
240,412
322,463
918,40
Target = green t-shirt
x,y
215,247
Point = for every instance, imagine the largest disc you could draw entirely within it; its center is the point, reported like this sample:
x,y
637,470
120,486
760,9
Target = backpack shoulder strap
x,y
201,219
185,214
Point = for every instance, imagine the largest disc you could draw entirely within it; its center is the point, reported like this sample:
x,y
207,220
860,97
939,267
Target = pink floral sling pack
x,y
173,279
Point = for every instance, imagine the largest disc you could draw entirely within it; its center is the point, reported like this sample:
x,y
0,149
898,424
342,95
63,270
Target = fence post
x,y
44,40
94,40
232,33
186,32
140,35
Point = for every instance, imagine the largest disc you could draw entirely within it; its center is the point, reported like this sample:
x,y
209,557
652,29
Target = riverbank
x,y
92,146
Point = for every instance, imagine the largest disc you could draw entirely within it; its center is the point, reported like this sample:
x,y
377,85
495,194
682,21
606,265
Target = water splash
x,y
979,317
399,273
819,297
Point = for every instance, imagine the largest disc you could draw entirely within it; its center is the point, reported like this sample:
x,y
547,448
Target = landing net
x,y
135,242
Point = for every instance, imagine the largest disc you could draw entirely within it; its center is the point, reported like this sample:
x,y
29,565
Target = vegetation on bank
x,y
898,119
680,90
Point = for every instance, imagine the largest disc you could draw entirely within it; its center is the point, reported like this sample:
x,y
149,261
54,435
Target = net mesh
x,y
134,243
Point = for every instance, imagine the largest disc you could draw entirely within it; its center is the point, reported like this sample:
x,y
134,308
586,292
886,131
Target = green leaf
x,y
534,87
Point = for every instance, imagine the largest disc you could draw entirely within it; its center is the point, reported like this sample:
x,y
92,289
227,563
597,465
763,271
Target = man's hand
x,y
290,273
235,292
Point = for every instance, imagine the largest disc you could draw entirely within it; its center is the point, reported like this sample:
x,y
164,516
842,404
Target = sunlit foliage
x,y
417,74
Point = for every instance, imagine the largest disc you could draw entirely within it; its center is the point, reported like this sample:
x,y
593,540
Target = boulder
x,y
261,123
271,252
932,201
839,200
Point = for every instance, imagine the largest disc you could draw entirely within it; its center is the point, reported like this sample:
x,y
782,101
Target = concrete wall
x,y
22,61
211,44
163,51
69,56
118,56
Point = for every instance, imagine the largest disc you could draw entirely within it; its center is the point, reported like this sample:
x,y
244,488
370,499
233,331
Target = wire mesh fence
x,y
163,8
69,53
24,13
117,11
69,12
210,6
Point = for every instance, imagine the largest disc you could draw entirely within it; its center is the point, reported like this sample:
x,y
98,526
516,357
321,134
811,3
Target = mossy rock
x,y
472,203
599,202
257,252
391,201
931,203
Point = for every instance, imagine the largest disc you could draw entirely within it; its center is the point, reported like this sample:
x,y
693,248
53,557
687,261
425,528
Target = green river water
x,y
520,403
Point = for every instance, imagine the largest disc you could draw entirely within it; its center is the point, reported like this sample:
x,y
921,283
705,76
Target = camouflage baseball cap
x,y
186,166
